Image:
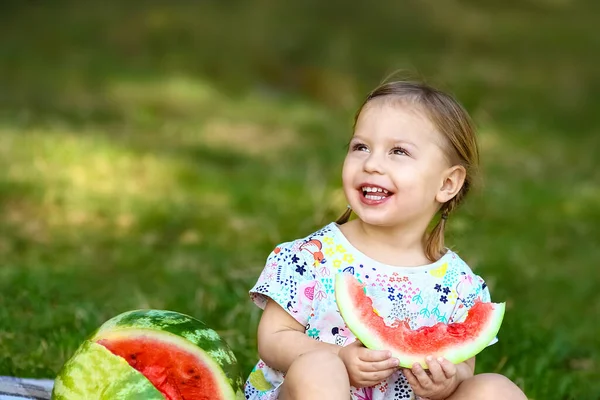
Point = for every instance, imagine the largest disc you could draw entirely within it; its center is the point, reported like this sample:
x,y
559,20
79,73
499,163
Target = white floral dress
x,y
299,276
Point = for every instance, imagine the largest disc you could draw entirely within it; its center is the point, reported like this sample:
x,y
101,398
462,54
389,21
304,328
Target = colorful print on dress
x,y
314,247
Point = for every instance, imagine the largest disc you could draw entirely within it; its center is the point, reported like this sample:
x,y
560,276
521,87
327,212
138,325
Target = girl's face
x,y
395,172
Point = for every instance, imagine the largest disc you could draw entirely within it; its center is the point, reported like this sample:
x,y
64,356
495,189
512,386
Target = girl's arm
x,y
465,370
281,339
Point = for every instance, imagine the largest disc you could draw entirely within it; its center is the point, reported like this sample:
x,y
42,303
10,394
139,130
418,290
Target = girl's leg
x,y
314,376
488,387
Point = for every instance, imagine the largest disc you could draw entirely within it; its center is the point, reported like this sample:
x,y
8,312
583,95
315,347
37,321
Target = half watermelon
x,y
151,354
456,342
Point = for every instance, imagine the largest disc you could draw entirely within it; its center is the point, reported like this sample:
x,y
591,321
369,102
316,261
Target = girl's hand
x,y
440,382
367,367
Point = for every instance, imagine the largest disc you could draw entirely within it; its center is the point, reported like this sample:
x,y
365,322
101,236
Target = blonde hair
x,y
453,122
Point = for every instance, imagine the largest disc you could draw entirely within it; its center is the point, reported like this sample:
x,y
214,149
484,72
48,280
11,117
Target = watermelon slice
x,y
171,355
456,342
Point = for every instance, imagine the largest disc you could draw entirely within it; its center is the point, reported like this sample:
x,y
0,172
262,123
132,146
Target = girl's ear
x,y
452,181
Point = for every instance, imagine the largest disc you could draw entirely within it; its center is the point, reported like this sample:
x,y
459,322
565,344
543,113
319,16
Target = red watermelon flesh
x,y
176,373
456,342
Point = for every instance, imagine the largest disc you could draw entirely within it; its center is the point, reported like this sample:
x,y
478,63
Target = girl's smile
x,y
373,195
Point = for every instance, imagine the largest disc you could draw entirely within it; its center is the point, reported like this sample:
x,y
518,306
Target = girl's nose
x,y
373,164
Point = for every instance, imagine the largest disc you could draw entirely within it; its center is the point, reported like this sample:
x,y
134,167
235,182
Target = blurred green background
x,y
153,153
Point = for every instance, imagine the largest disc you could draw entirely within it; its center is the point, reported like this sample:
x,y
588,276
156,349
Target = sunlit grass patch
x,y
83,179
247,138
178,97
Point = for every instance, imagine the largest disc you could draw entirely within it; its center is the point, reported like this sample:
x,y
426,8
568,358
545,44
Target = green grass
x,y
152,155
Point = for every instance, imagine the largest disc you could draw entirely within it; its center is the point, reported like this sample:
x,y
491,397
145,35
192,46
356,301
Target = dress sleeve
x,y
288,280
472,288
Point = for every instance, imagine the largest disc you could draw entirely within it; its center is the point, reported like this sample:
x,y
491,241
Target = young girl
x,y
412,157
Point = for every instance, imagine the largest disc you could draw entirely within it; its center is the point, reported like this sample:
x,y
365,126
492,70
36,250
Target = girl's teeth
x,y
373,197
374,189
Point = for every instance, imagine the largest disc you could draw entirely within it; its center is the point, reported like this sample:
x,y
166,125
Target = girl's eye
x,y
399,151
360,147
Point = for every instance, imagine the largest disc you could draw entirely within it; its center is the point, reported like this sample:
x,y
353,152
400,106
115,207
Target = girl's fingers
x,y
448,368
375,366
389,372
435,370
367,355
410,377
421,375
373,378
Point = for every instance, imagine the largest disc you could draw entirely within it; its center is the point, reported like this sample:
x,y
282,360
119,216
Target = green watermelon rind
x,y
371,340
92,371
184,326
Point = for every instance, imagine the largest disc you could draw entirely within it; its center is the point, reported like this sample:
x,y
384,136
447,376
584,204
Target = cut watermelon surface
x,y
177,369
456,342
169,354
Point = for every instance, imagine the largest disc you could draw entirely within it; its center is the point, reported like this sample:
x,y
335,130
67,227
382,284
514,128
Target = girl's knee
x,y
317,363
317,372
489,386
